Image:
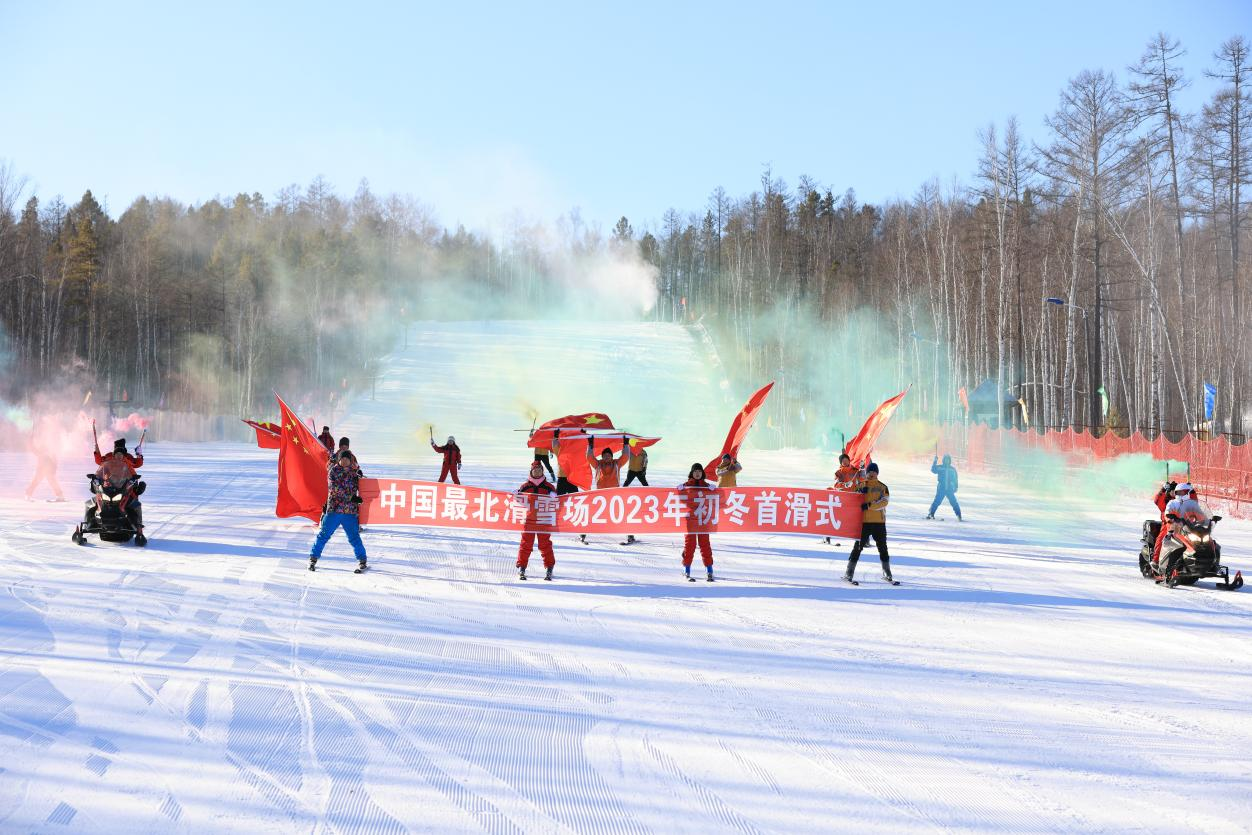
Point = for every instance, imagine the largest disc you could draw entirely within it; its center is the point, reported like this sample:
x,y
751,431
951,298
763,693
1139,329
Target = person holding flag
x,y
847,478
342,509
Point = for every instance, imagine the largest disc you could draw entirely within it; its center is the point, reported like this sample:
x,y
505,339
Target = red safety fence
x,y
1221,470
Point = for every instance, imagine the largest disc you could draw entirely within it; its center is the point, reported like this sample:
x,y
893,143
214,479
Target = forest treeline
x,y
1127,210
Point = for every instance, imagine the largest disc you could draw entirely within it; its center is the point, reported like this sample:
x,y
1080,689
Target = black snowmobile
x,y
113,512
1188,553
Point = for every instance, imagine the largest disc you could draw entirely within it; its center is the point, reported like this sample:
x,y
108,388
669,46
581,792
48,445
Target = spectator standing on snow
x,y
874,499
536,485
342,509
727,471
945,488
451,459
327,440
695,481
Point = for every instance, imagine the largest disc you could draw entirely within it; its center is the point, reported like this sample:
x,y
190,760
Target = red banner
x,y
625,510
860,446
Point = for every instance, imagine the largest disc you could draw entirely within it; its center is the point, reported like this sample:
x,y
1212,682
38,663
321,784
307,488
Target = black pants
x,y
543,459
878,531
641,475
564,486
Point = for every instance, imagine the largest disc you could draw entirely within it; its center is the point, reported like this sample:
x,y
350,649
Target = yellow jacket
x,y
876,494
727,474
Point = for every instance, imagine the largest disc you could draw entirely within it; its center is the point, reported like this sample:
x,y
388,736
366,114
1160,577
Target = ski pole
x,y
139,446
94,436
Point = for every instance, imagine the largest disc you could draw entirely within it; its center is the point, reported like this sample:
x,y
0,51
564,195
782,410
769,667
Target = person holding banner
x,y
695,481
875,497
847,478
536,485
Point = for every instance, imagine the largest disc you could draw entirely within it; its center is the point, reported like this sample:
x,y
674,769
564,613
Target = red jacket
x,y
118,466
451,453
543,488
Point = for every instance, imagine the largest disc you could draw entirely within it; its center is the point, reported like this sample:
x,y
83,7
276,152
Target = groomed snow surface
x,y
1023,677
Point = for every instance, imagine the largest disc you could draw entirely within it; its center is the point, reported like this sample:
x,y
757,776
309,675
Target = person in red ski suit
x,y
695,481
539,486
327,440
1162,498
451,459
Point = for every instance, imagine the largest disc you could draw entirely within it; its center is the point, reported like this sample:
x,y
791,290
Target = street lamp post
x,y
1093,373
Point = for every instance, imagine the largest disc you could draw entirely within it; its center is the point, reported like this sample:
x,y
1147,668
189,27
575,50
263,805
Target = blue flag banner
x,y
1210,397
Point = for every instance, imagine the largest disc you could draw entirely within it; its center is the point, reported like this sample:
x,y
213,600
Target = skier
x,y
606,469
847,478
117,467
727,470
636,470
537,485
342,509
42,442
327,440
695,481
1180,510
451,459
945,488
875,497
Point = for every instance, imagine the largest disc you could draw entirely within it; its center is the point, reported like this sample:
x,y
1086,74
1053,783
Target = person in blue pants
x,y
946,486
342,509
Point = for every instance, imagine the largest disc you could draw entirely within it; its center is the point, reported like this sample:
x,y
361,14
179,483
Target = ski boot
x,y
312,563
710,577
930,516
547,575
521,574
360,567
687,573
847,578
140,539
582,537
887,579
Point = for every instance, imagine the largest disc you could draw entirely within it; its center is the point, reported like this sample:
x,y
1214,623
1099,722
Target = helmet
x,y
1185,487
451,439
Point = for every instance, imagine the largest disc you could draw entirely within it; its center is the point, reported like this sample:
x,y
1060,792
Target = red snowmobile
x,y
1188,553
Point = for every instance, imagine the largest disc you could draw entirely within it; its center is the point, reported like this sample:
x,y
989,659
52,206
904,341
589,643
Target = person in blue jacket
x,y
946,486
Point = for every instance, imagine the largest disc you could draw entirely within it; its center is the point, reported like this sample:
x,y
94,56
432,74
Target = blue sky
x,y
481,110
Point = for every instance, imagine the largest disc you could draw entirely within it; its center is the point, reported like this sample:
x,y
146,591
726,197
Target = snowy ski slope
x,y
1023,678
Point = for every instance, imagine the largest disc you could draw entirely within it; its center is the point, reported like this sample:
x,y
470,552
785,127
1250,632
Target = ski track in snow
x,y
1022,678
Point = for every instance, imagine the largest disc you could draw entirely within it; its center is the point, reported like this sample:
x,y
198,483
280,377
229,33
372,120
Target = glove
x,y
864,505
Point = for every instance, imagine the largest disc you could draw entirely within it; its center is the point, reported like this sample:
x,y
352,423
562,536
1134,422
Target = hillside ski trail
x,y
209,683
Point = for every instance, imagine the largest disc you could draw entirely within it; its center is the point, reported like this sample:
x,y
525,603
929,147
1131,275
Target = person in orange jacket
x,y
536,485
874,500
606,470
848,478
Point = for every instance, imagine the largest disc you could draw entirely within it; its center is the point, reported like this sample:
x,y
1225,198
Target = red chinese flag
x,y
860,446
302,489
740,426
541,438
267,434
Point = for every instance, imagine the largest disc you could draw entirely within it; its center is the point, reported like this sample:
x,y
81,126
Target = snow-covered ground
x,y
1024,677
